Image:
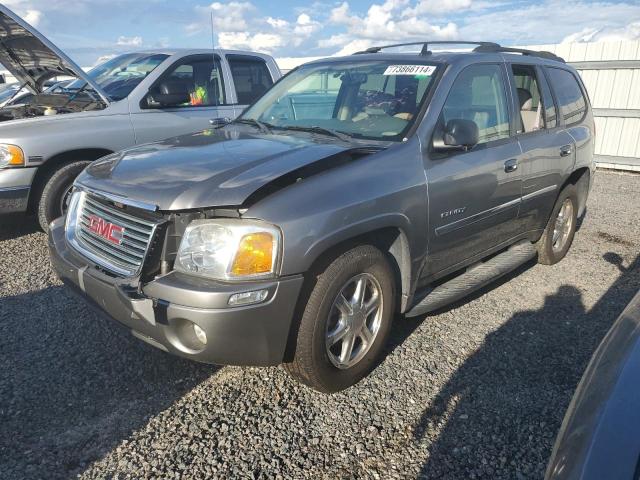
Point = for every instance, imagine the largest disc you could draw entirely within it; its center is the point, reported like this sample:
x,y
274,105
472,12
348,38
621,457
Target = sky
x,y
88,30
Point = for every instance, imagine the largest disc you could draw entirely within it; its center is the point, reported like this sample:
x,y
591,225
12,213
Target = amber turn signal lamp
x,y
254,255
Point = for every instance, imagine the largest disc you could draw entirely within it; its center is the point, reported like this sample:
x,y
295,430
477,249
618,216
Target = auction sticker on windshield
x,y
410,70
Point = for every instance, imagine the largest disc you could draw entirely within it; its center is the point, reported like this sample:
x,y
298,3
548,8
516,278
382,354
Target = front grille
x,y
125,258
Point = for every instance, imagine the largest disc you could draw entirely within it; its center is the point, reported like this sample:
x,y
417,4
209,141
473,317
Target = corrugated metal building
x,y
611,73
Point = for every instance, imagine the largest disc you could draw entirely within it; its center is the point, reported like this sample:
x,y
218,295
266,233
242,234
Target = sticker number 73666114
x,y
410,70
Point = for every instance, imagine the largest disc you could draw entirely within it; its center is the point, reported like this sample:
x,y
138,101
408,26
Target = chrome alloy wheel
x,y
354,321
563,226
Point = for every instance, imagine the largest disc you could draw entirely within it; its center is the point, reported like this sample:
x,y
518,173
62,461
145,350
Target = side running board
x,y
476,277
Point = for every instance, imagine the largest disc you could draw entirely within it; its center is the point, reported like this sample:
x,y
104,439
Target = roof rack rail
x,y
523,51
425,46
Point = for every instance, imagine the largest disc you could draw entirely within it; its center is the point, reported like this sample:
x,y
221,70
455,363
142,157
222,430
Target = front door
x,y
474,196
198,80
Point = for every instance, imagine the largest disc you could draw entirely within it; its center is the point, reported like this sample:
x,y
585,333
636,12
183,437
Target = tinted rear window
x,y
570,97
250,76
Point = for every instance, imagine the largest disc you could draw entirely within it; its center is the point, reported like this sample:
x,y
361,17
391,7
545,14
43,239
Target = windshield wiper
x,y
317,129
265,128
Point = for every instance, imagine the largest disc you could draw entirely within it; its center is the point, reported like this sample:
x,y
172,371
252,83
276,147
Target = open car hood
x,y
33,59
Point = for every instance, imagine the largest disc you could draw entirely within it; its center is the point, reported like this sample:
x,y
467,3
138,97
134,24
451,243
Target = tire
x,y
56,186
314,364
550,251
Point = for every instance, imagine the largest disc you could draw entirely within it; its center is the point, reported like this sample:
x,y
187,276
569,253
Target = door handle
x,y
219,122
566,151
511,165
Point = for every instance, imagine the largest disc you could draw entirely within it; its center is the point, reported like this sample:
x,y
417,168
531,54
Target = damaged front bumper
x,y
163,311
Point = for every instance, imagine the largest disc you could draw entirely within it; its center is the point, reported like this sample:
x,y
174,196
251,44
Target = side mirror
x,y
457,135
169,94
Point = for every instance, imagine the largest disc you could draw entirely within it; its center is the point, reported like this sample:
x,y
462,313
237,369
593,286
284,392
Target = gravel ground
x,y
475,391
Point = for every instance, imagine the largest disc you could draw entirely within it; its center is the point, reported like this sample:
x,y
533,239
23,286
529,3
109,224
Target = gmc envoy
x,y
355,190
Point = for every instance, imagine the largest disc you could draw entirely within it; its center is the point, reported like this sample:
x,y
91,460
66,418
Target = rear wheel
x,y
346,321
561,228
56,193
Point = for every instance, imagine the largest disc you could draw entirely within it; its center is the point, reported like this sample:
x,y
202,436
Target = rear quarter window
x,y
251,77
570,97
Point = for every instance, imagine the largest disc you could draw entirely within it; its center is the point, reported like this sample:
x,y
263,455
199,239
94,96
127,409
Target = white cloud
x,y
354,46
629,32
260,42
269,34
129,41
341,14
386,22
277,22
437,7
228,17
304,28
33,17
327,27
533,24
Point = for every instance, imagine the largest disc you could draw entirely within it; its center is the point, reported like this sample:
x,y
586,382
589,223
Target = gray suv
x,y
355,190
47,137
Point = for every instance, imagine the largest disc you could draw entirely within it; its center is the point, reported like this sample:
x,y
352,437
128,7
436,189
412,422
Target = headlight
x,y
230,249
11,156
71,221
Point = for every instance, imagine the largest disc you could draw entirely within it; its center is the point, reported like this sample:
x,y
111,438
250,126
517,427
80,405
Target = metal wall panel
x,y
611,74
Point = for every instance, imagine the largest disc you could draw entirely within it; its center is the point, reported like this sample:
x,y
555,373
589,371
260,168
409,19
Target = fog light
x,y
248,298
200,335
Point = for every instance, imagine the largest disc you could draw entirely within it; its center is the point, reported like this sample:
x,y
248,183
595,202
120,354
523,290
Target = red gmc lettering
x,y
109,231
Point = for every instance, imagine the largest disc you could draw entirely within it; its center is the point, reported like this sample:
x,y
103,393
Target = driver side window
x,y
193,82
478,95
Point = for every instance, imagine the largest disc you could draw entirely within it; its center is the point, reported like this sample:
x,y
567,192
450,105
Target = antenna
x,y
213,33
213,52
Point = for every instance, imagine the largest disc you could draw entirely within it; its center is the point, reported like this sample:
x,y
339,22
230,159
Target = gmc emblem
x,y
108,231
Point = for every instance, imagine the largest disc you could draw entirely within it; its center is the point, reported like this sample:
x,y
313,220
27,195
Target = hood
x,y
33,59
214,168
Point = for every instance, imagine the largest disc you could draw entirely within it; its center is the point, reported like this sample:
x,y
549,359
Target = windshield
x,y
8,92
120,75
376,100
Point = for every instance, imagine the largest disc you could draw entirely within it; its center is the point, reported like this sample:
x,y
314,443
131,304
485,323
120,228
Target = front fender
x,y
379,191
42,138
358,229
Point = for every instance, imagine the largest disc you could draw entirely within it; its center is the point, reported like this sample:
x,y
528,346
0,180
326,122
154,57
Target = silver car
x,y
131,99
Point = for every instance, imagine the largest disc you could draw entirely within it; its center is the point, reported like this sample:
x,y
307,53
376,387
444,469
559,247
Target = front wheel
x,y
346,321
561,228
56,192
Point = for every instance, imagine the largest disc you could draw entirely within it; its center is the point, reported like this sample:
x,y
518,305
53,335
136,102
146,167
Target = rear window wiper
x,y
317,129
265,128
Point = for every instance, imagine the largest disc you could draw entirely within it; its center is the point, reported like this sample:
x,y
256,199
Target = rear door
x,y
251,78
547,147
474,196
201,78
574,108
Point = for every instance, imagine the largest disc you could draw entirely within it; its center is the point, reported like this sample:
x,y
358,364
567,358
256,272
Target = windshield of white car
x,y
8,91
120,75
375,100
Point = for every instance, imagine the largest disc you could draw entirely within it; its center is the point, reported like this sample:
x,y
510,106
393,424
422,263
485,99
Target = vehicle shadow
x,y
74,384
404,327
498,414
16,226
